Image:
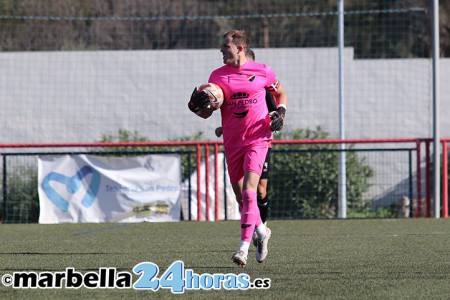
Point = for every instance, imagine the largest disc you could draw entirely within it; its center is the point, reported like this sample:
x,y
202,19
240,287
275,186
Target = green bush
x,y
22,199
304,179
381,213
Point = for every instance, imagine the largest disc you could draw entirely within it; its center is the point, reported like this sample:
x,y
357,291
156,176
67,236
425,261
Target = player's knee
x,y
262,189
261,194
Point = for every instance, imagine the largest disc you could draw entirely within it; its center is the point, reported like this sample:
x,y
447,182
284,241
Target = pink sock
x,y
250,215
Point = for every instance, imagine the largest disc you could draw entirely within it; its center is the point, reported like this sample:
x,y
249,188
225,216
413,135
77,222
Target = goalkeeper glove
x,y
199,100
277,118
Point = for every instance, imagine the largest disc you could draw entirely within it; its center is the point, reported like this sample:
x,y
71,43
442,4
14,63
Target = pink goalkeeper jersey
x,y
244,111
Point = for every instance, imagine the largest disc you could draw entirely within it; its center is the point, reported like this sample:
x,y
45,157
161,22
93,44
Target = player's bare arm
x,y
281,96
277,116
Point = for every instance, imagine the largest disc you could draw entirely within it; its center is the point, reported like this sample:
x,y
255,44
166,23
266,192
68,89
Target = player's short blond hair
x,y
239,38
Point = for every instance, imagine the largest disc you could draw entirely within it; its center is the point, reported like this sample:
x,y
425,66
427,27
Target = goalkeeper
x,y
262,198
247,129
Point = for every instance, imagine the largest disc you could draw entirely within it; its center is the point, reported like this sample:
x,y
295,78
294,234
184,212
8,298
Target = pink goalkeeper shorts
x,y
245,159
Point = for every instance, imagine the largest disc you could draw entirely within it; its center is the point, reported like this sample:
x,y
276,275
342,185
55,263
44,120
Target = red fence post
x,y
444,180
199,194
427,178
216,181
419,182
207,198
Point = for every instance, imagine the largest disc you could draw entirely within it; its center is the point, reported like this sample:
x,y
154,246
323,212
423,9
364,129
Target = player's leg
x,y
263,200
240,256
235,159
253,162
262,205
237,189
253,158
249,216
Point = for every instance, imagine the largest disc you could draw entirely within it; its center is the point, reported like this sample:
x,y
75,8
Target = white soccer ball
x,y
215,94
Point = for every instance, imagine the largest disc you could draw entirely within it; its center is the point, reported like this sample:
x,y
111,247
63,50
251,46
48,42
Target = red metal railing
x,y
445,177
216,144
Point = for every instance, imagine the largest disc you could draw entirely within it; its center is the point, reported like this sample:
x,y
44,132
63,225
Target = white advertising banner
x,y
94,189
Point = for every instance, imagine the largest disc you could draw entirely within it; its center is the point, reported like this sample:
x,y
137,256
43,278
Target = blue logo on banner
x,y
72,186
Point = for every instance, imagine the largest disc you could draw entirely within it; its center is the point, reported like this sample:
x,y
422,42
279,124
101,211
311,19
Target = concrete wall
x,y
78,96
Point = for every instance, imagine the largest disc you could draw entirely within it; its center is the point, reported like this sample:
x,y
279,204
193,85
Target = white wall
x,y
78,96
